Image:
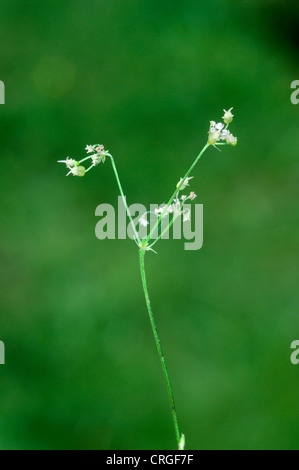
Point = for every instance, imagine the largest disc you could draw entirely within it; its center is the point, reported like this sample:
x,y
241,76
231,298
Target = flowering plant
x,y
218,135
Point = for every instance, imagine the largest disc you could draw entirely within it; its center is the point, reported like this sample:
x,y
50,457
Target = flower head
x,y
143,220
99,156
214,127
214,136
70,162
228,116
77,171
96,159
231,139
219,132
90,148
186,215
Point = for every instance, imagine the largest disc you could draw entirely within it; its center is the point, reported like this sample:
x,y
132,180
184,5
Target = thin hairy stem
x,y
84,159
124,200
159,348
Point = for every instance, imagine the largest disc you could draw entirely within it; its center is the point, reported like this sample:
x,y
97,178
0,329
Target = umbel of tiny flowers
x,y
219,131
176,209
75,168
99,154
218,135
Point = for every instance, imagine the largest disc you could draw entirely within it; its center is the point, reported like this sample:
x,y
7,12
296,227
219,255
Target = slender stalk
x,y
159,348
84,159
124,199
176,191
150,312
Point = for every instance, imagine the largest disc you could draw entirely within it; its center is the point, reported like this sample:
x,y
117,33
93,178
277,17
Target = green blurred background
x,y
144,78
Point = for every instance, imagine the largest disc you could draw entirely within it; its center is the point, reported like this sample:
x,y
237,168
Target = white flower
x,y
100,148
183,197
183,183
176,208
214,136
186,215
228,116
99,156
216,127
101,152
217,131
192,196
160,210
224,134
96,159
90,148
70,162
231,139
143,220
77,171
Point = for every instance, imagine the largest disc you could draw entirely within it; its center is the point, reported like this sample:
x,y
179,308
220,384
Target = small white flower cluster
x,y
219,131
75,168
179,202
99,154
176,208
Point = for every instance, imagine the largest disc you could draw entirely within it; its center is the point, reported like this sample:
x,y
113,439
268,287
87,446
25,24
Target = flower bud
x,y
80,171
77,171
182,184
214,136
228,116
231,139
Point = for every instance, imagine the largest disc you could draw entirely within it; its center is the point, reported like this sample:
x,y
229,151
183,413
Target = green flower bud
x,y
214,136
228,116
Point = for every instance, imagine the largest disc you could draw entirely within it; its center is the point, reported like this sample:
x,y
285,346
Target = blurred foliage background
x,y
144,78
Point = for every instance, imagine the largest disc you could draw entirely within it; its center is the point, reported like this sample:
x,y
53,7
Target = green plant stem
x,y
84,159
124,199
158,345
176,191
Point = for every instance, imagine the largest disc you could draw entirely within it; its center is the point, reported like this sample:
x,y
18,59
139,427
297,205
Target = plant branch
x,y
176,191
124,199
